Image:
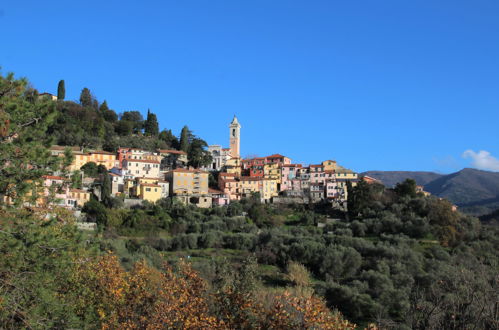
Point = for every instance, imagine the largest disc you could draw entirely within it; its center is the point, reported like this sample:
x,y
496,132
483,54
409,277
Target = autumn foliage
x,y
146,298
143,298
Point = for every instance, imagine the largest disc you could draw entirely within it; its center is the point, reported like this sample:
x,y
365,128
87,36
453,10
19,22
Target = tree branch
x,y
13,134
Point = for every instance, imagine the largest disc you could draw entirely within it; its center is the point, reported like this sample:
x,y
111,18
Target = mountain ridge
x,y
474,191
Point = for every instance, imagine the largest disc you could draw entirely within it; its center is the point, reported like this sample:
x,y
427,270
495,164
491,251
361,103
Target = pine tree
x,y
104,107
197,154
151,127
170,139
61,90
185,137
86,98
23,138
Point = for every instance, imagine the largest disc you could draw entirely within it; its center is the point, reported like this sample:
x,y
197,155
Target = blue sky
x,y
376,85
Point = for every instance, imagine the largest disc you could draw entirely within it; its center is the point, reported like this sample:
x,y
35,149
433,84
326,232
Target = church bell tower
x,y
235,131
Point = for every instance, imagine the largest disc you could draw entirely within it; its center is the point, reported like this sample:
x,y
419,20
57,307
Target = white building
x,y
141,168
219,156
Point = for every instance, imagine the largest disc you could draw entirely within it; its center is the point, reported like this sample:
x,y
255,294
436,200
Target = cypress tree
x,y
151,127
61,90
184,139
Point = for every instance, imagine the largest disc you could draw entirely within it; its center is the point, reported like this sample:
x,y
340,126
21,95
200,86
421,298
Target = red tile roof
x,y
276,156
53,177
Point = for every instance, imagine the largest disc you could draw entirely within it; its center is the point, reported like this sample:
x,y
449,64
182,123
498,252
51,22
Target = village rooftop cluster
x,y
137,175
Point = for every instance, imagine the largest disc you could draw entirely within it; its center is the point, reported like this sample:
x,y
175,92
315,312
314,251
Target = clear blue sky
x,y
376,85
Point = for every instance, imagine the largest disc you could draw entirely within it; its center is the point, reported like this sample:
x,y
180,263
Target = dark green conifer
x,y
61,90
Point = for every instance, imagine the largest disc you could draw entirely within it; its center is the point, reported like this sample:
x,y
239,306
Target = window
x,y
148,189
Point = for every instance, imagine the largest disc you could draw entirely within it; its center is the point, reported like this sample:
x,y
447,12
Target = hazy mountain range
x,y
474,191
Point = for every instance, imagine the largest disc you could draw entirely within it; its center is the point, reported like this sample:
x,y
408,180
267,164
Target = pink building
x,y
289,172
229,185
317,174
56,190
219,198
332,191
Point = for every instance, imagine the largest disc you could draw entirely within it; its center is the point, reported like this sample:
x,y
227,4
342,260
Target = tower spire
x,y
235,135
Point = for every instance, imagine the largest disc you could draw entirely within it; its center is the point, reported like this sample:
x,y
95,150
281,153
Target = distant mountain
x,y
391,178
474,191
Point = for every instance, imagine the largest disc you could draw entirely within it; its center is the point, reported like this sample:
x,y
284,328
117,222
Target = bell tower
x,y
235,131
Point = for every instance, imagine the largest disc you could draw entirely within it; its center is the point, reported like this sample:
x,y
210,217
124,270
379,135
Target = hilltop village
x,y
137,175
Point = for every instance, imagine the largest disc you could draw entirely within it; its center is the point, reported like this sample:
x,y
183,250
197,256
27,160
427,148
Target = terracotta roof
x,y
53,177
330,171
291,165
316,165
225,149
276,156
142,161
215,191
172,151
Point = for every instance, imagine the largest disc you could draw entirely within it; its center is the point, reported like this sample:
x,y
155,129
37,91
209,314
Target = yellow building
x,y
272,171
105,158
248,185
80,196
188,182
149,191
233,166
329,165
268,188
